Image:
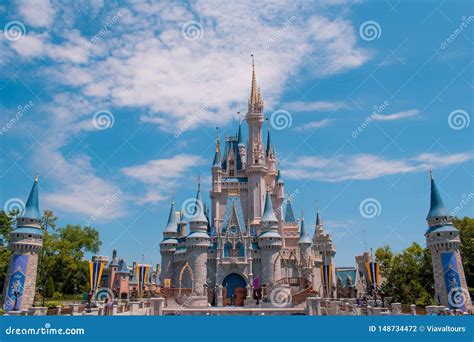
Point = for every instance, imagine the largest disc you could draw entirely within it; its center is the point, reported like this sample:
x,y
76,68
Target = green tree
x,y
466,228
62,257
408,276
49,287
6,226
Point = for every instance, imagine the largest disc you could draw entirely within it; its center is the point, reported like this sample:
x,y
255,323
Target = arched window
x,y
227,248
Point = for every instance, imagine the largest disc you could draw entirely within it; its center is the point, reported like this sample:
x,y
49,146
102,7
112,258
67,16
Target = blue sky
x,y
116,104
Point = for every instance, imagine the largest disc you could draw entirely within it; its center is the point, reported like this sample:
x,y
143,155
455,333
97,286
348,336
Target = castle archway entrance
x,y
235,289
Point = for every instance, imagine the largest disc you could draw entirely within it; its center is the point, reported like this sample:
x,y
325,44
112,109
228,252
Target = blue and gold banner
x,y
326,275
373,270
17,284
143,272
96,268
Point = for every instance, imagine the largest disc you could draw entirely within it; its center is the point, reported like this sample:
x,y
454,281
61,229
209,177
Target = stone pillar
x,y
220,299
413,309
249,292
75,309
313,305
114,310
157,306
134,308
396,308
59,308
37,311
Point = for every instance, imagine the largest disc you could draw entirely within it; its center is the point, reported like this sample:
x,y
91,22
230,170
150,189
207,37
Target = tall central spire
x,y
255,101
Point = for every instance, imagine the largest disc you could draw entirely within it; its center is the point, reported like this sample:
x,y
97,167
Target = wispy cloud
x,y
317,106
160,175
367,166
397,116
315,125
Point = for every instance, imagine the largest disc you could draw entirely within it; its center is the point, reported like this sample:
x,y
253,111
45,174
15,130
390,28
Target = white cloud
x,y
143,60
367,166
317,106
160,175
37,13
397,116
315,125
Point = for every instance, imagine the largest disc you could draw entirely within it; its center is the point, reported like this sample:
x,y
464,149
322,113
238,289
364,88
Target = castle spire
x,y
172,224
289,214
217,154
32,204
268,214
437,208
255,103
269,143
304,237
239,132
198,215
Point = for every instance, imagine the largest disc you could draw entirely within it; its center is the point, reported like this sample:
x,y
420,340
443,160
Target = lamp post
x,y
41,292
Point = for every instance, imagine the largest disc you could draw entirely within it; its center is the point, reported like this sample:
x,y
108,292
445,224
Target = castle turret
x,y
168,245
26,241
443,240
270,242
304,242
326,250
197,243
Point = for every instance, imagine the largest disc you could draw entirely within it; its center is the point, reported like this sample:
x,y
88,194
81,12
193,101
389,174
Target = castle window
x,y
29,235
231,172
231,162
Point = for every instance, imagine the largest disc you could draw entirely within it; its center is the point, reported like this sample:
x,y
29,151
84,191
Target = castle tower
x,y
443,240
323,247
168,247
197,243
304,244
26,241
270,243
256,165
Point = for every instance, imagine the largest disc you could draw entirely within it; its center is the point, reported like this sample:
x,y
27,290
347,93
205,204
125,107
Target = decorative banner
x,y
452,281
143,272
95,273
373,270
326,274
167,282
16,286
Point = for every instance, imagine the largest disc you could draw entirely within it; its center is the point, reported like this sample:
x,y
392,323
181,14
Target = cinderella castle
x,y
243,242
246,238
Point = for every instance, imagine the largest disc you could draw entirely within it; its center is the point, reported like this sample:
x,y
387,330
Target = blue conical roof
x,y
437,207
216,163
289,215
279,179
268,214
32,204
239,135
318,218
198,215
304,237
172,225
269,144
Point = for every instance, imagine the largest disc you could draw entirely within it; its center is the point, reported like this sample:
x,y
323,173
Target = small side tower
x,y
443,240
168,248
323,247
26,241
304,244
270,242
197,243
